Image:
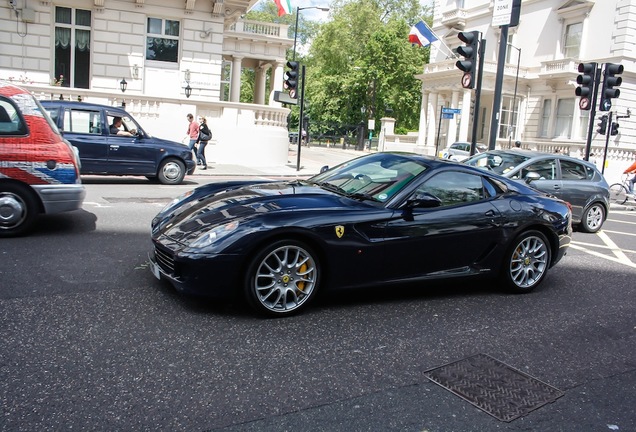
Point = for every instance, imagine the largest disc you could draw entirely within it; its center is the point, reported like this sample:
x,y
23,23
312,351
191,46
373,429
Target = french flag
x,y
422,35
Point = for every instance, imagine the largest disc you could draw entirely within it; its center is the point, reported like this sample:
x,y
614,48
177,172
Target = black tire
x,y
593,218
618,194
171,172
526,263
282,279
18,209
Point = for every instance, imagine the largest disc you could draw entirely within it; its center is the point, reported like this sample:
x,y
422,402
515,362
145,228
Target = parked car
x,y
87,126
460,151
39,170
573,180
383,218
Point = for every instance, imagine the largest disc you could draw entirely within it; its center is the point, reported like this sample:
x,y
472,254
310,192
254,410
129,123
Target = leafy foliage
x,y
360,58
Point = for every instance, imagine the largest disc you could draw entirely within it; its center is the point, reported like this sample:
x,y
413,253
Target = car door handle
x,y
114,147
490,213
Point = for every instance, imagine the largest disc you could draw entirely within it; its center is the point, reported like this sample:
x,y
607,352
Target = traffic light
x,y
609,82
291,78
602,126
586,83
614,130
469,52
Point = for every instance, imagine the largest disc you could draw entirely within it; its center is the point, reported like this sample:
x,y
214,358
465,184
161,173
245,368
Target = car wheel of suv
x,y
282,278
593,218
18,209
527,262
171,172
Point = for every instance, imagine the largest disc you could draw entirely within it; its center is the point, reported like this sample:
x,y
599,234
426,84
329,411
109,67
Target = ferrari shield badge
x,y
339,231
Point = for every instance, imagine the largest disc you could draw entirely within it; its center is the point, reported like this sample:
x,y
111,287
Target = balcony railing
x,y
260,28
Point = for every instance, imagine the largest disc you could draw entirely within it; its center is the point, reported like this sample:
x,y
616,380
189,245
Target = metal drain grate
x,y
494,387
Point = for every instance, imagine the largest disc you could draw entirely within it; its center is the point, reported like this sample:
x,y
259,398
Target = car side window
x,y
83,121
454,187
546,168
571,170
10,121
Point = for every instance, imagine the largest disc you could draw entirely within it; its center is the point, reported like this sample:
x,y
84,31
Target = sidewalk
x,y
312,159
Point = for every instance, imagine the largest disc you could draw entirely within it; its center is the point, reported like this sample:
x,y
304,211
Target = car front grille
x,y
165,260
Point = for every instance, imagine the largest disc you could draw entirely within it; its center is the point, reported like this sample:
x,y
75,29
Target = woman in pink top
x,y
193,131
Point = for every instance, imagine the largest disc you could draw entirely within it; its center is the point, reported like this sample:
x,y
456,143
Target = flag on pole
x,y
284,7
422,35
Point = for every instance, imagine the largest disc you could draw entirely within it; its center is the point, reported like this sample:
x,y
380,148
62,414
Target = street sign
x,y
501,13
447,115
451,111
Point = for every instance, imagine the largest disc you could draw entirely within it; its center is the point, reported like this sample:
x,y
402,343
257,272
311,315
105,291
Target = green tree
x,y
362,58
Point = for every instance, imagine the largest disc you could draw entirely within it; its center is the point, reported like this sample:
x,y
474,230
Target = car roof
x,y
81,105
9,89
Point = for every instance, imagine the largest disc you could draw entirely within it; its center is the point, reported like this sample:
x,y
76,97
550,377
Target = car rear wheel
x,y
171,172
593,218
18,209
618,193
282,279
527,262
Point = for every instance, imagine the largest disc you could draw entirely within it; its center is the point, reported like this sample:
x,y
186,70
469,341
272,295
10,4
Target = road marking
x,y
96,204
619,255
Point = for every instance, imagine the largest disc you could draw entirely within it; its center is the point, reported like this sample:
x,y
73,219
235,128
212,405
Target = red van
x,y
39,170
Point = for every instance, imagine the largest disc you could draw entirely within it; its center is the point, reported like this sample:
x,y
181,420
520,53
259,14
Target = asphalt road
x,y
89,340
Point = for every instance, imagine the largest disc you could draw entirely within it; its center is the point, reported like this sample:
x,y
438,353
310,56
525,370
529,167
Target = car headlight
x,y
209,237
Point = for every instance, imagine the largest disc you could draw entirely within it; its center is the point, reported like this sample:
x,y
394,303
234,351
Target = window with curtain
x,y
508,122
572,46
564,115
162,40
72,47
546,112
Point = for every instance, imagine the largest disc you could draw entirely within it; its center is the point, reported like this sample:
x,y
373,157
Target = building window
x,y
162,40
226,76
508,123
573,33
546,112
72,47
584,122
564,115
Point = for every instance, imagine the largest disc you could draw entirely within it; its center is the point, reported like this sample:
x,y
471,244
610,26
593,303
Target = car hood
x,y
253,204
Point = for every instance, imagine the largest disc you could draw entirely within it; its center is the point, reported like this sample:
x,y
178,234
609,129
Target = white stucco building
x,y
552,38
159,48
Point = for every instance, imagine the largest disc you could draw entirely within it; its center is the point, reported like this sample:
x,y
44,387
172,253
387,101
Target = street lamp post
x,y
302,88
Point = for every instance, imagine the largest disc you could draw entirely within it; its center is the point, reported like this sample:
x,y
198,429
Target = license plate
x,y
154,268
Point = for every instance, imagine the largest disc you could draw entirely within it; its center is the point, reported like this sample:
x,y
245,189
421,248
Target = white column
x,y
259,84
421,136
431,127
451,137
235,84
464,122
276,82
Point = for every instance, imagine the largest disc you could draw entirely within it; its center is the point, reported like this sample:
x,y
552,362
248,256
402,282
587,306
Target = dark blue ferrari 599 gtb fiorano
x,y
400,217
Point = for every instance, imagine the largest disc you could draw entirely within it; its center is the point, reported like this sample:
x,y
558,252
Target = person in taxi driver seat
x,y
115,128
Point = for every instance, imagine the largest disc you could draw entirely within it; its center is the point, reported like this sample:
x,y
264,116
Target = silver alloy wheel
x,y
285,279
594,218
529,262
171,170
13,210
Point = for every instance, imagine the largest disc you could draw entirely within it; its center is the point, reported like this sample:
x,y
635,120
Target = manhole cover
x,y
494,387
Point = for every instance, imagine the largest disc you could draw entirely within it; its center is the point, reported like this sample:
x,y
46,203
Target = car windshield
x,y
500,163
376,177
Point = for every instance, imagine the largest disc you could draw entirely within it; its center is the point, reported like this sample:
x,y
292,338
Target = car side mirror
x,y
324,168
423,200
531,176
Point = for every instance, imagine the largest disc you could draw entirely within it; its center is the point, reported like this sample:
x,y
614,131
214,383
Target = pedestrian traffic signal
x,y
586,82
609,82
614,130
291,78
602,126
469,52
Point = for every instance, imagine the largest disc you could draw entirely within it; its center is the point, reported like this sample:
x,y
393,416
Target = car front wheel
x,y
171,172
282,279
527,262
593,218
18,209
